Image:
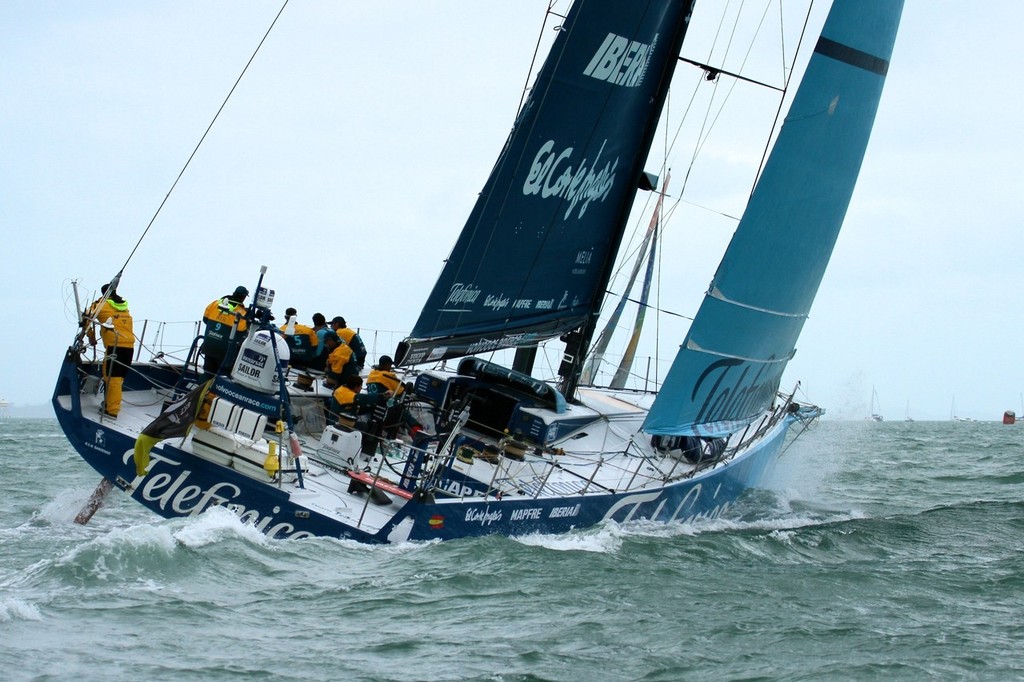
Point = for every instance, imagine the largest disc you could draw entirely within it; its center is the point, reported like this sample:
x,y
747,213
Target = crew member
x,y
340,364
221,317
321,328
352,338
348,400
111,313
302,340
382,379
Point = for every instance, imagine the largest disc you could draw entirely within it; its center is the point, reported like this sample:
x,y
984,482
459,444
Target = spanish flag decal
x,y
436,522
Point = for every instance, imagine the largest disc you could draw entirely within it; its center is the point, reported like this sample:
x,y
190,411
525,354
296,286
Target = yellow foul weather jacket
x,y
115,323
220,316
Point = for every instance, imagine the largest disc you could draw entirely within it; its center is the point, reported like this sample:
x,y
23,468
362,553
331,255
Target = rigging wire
x,y
711,118
201,139
710,124
536,51
785,89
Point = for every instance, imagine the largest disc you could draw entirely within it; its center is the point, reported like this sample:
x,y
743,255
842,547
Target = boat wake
x,y
779,513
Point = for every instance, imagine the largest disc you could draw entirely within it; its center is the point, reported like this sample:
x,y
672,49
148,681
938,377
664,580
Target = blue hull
x,y
705,496
181,484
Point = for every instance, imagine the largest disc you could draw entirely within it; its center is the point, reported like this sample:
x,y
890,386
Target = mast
x,y
575,355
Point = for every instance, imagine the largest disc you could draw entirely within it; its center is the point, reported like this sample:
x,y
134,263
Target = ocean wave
x,y
18,609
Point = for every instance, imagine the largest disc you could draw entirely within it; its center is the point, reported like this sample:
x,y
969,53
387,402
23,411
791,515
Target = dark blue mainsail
x,y
731,362
533,259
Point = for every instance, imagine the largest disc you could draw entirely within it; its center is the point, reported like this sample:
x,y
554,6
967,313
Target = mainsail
x,y
535,255
731,362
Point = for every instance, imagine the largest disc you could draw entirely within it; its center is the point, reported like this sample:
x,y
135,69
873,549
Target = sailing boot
x,y
112,404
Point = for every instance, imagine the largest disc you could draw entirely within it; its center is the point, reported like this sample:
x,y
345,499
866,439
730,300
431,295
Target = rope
x,y
201,139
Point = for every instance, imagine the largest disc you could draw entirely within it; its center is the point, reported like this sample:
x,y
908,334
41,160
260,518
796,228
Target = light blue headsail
x,y
731,363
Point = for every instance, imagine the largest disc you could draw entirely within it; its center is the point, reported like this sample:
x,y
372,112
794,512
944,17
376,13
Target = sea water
x,y
876,551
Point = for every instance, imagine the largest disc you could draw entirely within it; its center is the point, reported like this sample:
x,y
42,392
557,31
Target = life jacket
x,y
219,317
115,323
350,337
353,403
346,399
303,342
338,358
380,380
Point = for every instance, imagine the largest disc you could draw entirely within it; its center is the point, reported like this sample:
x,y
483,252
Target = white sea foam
x,y
18,609
605,539
215,525
64,507
394,549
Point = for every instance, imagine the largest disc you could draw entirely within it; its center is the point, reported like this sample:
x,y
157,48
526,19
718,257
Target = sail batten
x,y
717,293
694,346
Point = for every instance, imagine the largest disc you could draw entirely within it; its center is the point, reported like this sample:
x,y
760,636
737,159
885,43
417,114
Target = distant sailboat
x,y
908,418
875,414
953,415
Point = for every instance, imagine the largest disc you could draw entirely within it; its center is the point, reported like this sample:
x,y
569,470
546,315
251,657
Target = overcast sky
x,y
351,153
